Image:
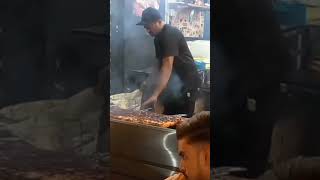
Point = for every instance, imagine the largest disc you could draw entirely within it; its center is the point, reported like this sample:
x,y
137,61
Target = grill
x,y
144,144
145,117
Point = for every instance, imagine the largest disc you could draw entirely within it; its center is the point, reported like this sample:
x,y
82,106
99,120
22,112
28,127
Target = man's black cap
x,y
149,16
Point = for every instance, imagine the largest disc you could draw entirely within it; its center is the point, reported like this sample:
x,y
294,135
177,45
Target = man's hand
x,y
179,176
151,101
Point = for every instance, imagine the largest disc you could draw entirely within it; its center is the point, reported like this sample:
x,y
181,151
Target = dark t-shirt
x,y
171,42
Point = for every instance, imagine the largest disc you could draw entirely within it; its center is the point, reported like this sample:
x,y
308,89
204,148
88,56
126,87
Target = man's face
x,y
195,159
153,29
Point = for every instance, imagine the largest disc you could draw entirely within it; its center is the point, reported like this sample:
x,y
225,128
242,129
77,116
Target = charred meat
x,y
145,117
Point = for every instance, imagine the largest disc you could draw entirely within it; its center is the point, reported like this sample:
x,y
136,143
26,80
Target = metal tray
x,y
143,151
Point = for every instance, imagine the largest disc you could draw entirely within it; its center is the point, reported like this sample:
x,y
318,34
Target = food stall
x,y
143,143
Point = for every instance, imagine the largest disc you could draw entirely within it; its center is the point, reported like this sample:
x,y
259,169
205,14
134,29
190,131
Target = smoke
x,y
173,91
136,53
131,47
174,87
116,47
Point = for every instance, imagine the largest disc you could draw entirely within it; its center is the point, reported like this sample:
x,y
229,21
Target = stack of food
x,y
127,100
145,117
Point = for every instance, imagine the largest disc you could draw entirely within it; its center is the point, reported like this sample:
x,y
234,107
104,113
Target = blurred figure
x,y
251,59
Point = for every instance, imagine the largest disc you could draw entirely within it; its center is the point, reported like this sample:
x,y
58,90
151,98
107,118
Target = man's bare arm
x,y
165,73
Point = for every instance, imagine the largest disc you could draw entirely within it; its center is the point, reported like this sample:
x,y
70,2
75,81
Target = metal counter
x,y
142,151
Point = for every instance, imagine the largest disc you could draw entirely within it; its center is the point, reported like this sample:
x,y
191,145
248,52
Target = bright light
x,y
173,159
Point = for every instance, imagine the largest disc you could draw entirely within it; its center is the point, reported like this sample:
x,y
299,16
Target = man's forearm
x,y
163,81
165,74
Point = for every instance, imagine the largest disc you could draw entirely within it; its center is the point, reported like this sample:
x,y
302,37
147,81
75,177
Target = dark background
x,y
252,57
41,54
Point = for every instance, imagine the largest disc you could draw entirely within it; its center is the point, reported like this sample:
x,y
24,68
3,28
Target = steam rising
x,y
131,47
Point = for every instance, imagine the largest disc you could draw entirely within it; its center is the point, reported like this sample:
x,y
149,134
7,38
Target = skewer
x,y
145,117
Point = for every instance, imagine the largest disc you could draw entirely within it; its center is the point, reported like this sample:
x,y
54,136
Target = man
x,y
174,59
194,148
